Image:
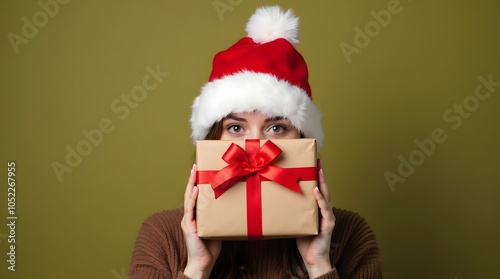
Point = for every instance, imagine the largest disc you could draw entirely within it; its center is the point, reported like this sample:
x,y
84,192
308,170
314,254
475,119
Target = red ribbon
x,y
254,165
256,160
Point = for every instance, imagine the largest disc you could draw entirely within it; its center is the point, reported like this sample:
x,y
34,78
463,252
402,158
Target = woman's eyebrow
x,y
232,117
274,118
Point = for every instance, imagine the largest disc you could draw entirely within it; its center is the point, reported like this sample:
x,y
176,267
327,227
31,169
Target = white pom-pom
x,y
270,23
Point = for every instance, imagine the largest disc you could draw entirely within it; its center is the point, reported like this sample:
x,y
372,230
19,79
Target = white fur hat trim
x,y
249,91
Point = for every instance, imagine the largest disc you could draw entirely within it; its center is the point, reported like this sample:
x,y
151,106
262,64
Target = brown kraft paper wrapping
x,y
285,213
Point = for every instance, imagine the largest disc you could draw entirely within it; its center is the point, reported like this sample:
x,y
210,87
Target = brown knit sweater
x,y
160,250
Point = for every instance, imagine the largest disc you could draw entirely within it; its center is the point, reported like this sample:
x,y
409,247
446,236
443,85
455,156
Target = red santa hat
x,y
261,72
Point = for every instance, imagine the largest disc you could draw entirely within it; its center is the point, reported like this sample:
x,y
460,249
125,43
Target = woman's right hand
x,y
202,254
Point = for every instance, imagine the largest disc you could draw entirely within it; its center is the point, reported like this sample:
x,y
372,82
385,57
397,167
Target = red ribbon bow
x,y
254,160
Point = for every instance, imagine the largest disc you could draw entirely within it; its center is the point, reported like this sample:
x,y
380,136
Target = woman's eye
x,y
234,128
277,129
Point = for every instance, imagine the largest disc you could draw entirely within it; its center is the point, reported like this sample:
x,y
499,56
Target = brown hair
x,y
232,261
215,131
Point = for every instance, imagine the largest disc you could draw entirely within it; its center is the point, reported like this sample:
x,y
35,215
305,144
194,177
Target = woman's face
x,y
254,125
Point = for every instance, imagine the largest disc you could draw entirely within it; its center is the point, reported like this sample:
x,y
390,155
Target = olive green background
x,y
441,222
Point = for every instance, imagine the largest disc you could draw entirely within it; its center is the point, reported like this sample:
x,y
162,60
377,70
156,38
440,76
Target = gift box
x,y
256,189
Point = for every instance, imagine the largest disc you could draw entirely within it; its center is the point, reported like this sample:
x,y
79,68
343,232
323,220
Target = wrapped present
x,y
256,189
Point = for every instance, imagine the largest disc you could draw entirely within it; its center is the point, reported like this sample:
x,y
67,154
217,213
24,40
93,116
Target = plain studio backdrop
x,y
95,99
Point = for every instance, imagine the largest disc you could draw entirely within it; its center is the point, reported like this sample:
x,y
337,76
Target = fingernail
x,y
321,172
194,188
193,168
316,189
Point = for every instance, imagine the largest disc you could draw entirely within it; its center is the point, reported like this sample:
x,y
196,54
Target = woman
x,y
258,88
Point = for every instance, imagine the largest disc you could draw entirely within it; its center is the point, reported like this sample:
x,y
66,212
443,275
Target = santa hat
x,y
262,72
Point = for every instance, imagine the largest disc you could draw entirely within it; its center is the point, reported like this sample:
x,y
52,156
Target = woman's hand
x,y
315,250
202,254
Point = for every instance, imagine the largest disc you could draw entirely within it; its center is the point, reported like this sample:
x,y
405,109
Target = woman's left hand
x,y
315,250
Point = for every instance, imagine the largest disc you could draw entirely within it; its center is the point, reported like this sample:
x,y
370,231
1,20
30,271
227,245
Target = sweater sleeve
x,y
159,248
357,255
181,275
332,274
